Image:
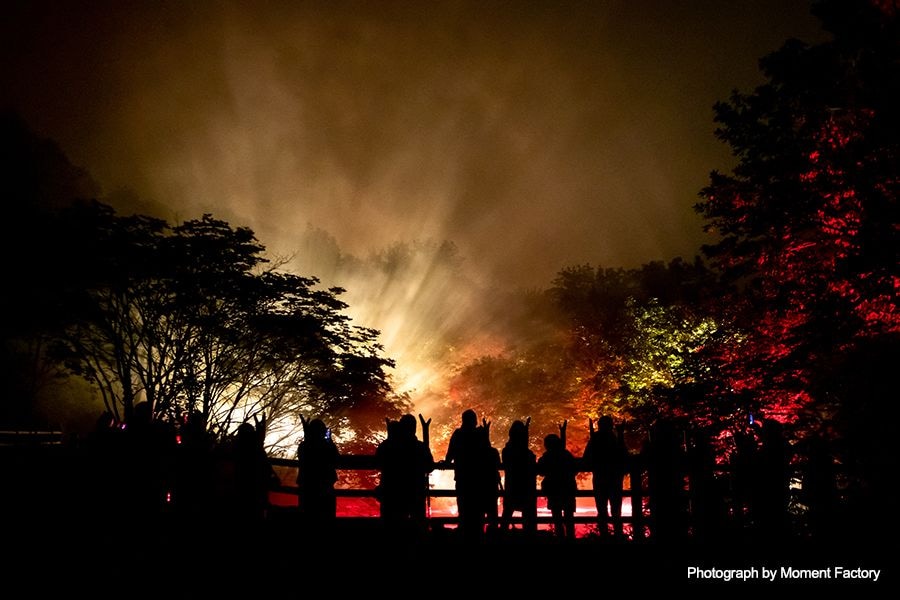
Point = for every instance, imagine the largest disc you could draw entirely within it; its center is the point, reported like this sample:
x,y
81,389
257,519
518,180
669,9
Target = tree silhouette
x,y
38,181
808,218
190,318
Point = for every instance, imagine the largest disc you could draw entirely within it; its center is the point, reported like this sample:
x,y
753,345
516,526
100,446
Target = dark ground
x,y
59,541
83,559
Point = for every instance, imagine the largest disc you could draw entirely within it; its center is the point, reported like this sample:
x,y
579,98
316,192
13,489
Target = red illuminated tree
x,y
808,218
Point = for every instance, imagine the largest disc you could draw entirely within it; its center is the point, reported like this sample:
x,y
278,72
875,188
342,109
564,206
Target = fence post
x,y
636,478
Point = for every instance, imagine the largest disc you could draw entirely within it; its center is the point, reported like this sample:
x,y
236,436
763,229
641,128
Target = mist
x,y
430,158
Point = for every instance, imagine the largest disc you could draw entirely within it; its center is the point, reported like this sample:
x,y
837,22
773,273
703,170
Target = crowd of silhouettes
x,y
693,489
148,474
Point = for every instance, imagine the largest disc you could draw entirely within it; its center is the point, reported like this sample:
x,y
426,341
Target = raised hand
x,y
562,431
425,427
304,421
590,425
425,424
260,424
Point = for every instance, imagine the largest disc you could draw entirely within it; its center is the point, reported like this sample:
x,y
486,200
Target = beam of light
x,y
426,304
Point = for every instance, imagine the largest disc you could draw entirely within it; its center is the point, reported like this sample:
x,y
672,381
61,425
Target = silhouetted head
x,y
315,429
197,417
106,420
518,433
469,419
407,425
246,434
605,423
699,438
662,431
143,415
393,429
772,430
552,442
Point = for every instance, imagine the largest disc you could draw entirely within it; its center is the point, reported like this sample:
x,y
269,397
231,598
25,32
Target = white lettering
x,y
722,574
857,573
791,573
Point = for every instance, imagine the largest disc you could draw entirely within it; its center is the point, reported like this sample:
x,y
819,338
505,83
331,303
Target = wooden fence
x,y
635,489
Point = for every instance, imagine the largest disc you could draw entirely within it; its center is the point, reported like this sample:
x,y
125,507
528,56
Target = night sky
x,y
532,135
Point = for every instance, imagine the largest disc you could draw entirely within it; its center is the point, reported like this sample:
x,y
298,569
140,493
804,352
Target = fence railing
x,y
634,492
731,497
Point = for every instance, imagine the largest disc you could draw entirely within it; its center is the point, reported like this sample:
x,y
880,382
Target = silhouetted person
x,y
488,477
606,456
707,496
820,486
193,486
772,480
743,468
665,468
464,452
317,457
148,446
107,465
520,479
405,463
386,457
559,469
253,475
